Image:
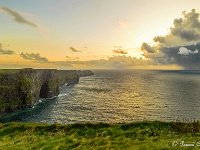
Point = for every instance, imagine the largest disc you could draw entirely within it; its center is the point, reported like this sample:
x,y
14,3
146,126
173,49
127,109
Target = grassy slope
x,y
141,135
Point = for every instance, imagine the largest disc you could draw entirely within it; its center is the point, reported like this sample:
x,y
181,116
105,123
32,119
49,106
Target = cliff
x,y
22,88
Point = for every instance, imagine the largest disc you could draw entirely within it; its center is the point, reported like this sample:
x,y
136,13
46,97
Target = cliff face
x,y
22,88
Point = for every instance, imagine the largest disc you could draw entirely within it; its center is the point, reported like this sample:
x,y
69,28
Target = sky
x,y
79,34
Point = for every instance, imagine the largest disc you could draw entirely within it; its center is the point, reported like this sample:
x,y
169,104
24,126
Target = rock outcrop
x,y
23,88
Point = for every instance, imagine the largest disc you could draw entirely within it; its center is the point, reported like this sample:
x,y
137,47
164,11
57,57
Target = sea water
x,y
118,96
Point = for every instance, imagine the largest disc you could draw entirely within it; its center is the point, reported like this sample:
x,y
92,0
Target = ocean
x,y
120,96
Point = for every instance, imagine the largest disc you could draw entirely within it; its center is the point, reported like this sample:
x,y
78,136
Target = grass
x,y
140,135
9,70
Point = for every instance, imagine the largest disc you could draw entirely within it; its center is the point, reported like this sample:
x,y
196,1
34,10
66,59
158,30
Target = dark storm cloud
x,y
74,49
186,56
6,52
178,47
17,16
33,56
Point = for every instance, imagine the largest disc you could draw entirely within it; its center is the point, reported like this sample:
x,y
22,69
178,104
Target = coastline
x,y
24,87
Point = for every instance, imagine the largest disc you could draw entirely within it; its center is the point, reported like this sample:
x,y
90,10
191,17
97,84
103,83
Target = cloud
x,y
180,46
188,27
68,57
6,52
114,62
119,50
74,49
185,30
33,56
147,48
186,52
72,58
19,18
186,34
190,59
